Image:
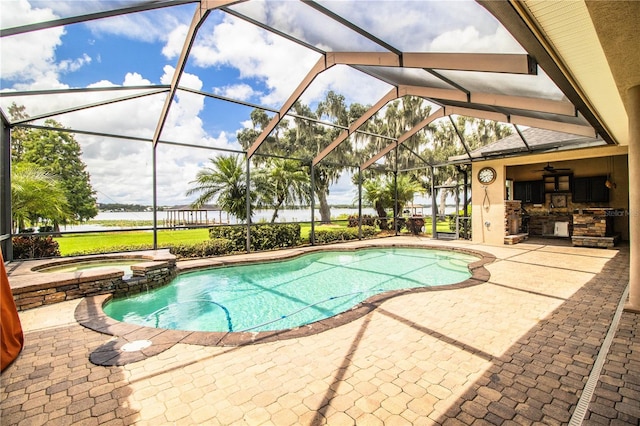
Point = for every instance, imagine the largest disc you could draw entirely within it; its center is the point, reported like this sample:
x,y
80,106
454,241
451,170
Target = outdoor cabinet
x,y
531,191
557,183
590,190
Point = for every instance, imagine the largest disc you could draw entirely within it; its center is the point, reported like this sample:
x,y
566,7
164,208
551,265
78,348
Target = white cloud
x,y
134,79
469,39
175,41
117,163
352,84
136,26
269,67
343,191
241,92
191,81
29,60
277,62
16,13
419,25
69,65
120,169
247,124
255,53
29,57
148,26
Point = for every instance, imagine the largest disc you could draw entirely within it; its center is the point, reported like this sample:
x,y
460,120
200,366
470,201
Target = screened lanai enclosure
x,y
310,106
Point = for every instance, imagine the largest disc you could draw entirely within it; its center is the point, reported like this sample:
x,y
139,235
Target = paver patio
x,y
517,349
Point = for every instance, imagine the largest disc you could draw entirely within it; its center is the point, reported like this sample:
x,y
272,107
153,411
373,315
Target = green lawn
x,y
92,243
120,240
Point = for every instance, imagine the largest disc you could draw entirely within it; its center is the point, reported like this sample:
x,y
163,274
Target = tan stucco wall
x,y
585,162
488,205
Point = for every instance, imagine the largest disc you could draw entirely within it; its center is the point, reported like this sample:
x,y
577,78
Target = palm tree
x,y
36,194
282,182
407,188
376,193
381,193
225,181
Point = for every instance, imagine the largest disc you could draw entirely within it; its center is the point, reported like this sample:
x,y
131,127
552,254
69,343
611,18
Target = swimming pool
x,y
289,293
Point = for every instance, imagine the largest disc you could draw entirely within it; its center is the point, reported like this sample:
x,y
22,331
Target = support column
x,y
395,193
155,196
312,235
434,207
248,204
359,204
633,111
395,201
5,190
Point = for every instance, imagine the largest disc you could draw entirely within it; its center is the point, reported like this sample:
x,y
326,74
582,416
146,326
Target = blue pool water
x,y
286,294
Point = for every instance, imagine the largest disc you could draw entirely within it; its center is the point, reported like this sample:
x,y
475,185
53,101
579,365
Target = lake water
x,y
285,215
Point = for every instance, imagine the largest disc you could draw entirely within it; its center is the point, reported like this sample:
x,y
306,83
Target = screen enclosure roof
x,y
455,55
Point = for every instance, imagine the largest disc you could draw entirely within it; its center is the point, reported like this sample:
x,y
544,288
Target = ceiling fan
x,y
550,169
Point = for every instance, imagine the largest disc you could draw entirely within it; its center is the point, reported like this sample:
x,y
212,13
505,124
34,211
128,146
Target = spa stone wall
x,y
146,276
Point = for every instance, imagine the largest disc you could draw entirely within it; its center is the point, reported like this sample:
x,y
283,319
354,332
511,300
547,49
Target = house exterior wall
x,y
584,162
488,206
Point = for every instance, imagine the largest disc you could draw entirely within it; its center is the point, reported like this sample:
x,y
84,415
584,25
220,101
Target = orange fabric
x,y
11,337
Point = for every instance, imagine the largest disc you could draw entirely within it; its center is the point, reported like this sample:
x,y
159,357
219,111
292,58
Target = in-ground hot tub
x,y
98,264
44,282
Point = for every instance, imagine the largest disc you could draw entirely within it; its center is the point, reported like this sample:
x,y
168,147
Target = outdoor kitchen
x,y
575,201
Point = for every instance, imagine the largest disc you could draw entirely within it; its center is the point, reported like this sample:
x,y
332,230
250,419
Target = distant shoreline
x,y
163,209
106,220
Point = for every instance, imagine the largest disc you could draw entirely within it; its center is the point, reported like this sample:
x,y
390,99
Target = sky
x,y
230,57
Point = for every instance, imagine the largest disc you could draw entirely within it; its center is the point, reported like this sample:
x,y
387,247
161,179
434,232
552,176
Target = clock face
x,y
487,175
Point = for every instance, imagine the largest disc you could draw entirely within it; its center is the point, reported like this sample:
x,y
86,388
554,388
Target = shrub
x,y
367,220
236,235
324,236
212,247
369,231
263,236
32,247
414,225
452,218
267,237
112,249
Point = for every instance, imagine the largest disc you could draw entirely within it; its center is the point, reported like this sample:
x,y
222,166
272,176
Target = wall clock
x,y
487,175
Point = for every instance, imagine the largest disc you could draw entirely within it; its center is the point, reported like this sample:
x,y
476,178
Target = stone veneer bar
x,y
593,227
513,222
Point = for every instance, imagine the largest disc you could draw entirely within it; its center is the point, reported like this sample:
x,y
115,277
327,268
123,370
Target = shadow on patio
x,y
518,348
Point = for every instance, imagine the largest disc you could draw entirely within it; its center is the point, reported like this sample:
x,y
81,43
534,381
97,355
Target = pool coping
x,y
89,312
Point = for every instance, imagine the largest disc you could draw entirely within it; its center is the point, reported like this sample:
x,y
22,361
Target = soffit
x,y
568,27
616,23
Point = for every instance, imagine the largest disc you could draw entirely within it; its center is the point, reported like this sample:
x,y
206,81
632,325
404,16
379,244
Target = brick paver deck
x,y
517,349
